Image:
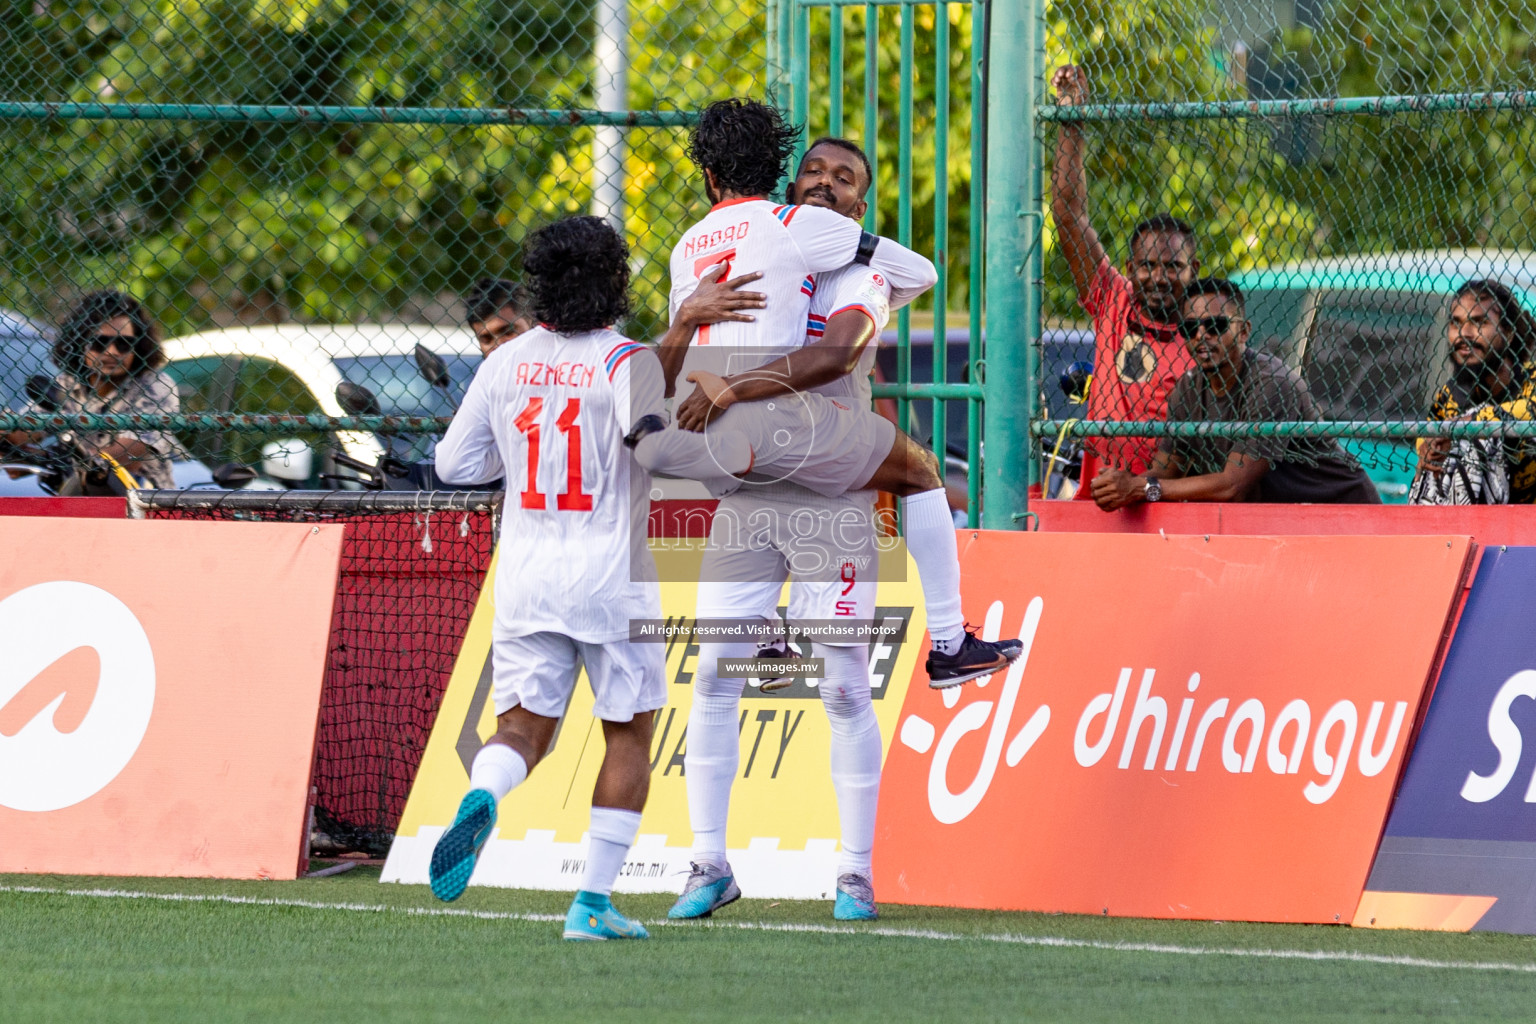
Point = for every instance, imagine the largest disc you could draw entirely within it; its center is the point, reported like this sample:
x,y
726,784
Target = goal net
x,y
412,565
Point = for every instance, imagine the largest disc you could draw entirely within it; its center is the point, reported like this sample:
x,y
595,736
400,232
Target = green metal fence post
x,y
1012,233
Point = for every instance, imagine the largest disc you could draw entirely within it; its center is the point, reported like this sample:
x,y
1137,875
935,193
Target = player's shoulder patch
x,y
619,354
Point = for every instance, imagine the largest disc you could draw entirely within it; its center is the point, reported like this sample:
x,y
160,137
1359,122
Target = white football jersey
x,y
854,287
549,413
789,246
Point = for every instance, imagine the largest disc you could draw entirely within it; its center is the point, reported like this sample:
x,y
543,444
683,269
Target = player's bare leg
x,y
521,741
623,783
911,472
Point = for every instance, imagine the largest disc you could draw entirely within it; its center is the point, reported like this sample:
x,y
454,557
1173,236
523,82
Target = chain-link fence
x,y
267,175
1351,167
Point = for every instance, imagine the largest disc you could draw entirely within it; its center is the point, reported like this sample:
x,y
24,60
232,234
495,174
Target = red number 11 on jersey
x,y
572,499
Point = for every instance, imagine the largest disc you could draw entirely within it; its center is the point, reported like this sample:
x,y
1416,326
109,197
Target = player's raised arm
x,y
1069,186
467,454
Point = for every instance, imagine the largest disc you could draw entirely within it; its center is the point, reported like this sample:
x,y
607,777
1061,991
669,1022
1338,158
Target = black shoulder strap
x,y
867,243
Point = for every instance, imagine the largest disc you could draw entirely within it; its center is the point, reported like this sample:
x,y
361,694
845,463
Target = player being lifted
x,y
742,148
548,411
833,565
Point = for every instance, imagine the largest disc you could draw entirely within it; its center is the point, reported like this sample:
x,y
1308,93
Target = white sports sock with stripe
x,y
931,539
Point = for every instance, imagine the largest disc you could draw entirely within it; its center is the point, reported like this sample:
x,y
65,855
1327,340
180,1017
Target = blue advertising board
x,y
1464,821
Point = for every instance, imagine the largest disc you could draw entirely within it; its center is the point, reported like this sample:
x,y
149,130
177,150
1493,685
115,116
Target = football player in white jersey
x,y
850,306
811,439
548,410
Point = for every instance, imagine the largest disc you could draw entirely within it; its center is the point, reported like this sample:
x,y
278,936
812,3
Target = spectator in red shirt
x,y
1138,354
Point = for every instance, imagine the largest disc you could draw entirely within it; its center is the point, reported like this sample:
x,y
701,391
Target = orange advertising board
x,y
159,691
1198,727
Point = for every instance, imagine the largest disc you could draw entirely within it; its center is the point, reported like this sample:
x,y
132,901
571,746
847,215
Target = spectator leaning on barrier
x,y
1491,339
109,353
1138,356
497,311
1232,383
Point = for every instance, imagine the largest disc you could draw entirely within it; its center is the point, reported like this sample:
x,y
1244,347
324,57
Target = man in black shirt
x,y
1231,383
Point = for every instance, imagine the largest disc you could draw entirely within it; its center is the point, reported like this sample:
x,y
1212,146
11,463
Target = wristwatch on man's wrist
x,y
1153,490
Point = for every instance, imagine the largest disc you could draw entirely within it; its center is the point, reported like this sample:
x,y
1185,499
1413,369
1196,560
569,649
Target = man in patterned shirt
x,y
108,352
1491,339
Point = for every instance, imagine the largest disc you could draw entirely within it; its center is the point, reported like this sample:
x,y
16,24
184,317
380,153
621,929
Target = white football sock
x,y
612,833
499,769
714,750
845,693
931,539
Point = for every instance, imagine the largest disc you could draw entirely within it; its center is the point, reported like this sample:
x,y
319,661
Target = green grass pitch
x,y
348,949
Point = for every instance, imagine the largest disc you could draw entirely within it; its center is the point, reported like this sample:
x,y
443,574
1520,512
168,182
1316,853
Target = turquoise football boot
x,y
594,918
855,899
708,889
453,859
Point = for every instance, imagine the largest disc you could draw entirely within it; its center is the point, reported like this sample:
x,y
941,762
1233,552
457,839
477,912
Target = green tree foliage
x,y
330,222
1273,191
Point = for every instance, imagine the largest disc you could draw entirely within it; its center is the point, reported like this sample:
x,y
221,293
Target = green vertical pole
x,y
940,348
974,289
800,63
1013,231
904,209
772,58
835,76
872,112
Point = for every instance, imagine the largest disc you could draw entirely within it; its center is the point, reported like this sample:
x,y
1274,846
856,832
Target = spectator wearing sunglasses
x,y
1231,382
108,352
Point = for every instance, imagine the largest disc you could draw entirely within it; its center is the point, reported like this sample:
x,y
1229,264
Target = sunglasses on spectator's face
x,y
1217,325
116,342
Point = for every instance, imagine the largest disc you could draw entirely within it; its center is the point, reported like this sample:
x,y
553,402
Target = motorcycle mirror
x,y
433,370
358,400
44,392
1074,381
233,475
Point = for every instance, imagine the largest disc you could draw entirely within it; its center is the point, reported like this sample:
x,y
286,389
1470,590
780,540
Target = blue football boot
x,y
708,889
594,918
453,859
855,899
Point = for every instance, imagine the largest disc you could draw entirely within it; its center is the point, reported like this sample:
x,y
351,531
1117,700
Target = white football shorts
x,y
810,439
762,536
538,672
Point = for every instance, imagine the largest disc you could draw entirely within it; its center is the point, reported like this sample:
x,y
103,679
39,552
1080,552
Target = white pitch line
x,y
1044,941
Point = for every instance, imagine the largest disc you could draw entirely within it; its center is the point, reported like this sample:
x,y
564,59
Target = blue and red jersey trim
x,y
616,358
785,213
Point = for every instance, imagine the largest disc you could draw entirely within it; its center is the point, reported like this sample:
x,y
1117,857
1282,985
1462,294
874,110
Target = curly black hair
x,y
745,144
489,296
1518,326
578,271
94,309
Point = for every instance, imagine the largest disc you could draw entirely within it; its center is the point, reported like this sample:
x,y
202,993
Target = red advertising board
x,y
159,691
1198,728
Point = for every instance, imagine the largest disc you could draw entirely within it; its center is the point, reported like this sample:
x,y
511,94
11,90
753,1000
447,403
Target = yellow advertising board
x,y
783,832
